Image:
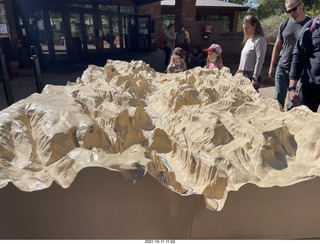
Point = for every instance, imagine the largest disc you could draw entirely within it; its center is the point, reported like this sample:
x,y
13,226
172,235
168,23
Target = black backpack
x,y
181,38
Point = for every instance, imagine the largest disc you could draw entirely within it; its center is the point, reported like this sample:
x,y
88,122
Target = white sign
x,y
40,25
3,29
58,27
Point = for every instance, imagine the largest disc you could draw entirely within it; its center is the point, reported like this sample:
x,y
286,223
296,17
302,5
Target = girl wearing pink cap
x,y
214,59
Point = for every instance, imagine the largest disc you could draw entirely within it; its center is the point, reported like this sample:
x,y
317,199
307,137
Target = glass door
x,y
58,35
125,32
144,33
111,32
115,31
106,33
140,32
90,40
76,35
37,33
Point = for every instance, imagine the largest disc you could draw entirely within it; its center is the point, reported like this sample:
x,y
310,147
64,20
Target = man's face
x,y
294,8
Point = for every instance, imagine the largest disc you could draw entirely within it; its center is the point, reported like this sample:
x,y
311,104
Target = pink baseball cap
x,y
214,48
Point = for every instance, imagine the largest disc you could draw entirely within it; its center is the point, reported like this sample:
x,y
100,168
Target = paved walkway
x,y
23,87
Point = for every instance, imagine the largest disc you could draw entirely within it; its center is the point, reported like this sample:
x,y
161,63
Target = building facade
x,y
67,31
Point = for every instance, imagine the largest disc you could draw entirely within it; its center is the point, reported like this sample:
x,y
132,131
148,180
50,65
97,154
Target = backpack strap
x,y
284,25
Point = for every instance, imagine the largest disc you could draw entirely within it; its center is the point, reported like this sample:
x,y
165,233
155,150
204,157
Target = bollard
x,y
5,79
36,69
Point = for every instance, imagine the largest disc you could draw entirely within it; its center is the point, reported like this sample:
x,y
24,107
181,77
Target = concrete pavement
x,y
23,87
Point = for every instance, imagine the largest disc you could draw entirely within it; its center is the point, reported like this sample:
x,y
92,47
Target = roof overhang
x,y
143,2
216,4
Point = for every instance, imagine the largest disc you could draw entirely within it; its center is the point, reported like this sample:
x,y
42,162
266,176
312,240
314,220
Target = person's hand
x,y
255,83
272,71
294,98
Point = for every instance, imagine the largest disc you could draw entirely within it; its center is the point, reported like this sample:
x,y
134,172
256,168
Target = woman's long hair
x,y
252,20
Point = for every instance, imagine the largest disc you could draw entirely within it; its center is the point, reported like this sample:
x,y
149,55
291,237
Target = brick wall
x,y
154,10
185,13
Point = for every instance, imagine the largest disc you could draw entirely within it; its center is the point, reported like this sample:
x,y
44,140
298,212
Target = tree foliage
x,y
268,8
272,12
271,25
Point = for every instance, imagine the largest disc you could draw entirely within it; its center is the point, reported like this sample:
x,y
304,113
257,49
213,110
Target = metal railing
x,y
5,79
36,69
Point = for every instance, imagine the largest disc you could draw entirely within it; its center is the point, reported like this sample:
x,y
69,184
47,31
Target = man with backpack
x,y
281,59
305,65
182,39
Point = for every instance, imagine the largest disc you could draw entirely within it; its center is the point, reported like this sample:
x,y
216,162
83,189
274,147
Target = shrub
x,y
271,25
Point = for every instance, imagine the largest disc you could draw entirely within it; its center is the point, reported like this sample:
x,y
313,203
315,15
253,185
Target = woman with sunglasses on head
x,y
281,58
254,50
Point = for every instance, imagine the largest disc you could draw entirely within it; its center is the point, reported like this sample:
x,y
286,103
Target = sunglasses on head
x,y
293,9
246,19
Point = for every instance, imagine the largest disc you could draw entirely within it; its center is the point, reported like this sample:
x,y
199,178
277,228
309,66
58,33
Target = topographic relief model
x,y
197,132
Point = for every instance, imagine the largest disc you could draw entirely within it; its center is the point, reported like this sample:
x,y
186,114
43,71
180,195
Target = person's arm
x,y
260,48
242,60
293,93
275,57
301,55
188,36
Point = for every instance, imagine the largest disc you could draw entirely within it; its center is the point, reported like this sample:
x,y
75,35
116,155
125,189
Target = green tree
x,y
269,8
271,25
312,7
272,12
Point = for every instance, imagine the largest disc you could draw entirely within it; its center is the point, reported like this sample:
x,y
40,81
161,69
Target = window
x,y
109,7
3,20
79,5
226,18
167,19
127,9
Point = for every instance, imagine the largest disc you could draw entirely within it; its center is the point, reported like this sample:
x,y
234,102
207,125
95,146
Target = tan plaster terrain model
x,y
200,132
